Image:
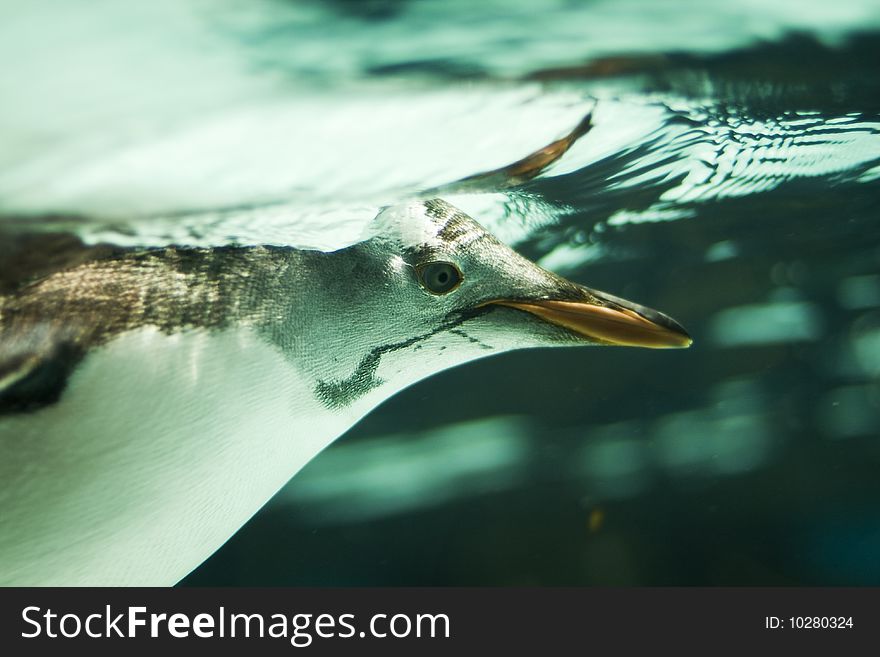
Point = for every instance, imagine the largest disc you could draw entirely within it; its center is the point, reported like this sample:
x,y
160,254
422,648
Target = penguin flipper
x,y
34,371
36,357
520,171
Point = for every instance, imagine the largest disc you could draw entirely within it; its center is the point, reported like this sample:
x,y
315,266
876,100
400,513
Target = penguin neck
x,y
347,324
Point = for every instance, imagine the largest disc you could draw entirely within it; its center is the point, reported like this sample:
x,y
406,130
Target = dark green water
x,y
752,458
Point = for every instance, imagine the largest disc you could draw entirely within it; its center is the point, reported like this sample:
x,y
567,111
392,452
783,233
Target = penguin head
x,y
455,274
448,292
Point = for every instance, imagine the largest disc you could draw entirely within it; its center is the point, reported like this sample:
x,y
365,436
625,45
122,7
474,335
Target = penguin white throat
x,y
152,401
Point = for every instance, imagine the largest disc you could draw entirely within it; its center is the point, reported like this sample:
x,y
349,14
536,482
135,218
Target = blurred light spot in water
x,y
651,215
785,294
850,411
615,465
770,323
358,480
728,436
706,442
858,292
724,250
788,273
866,345
839,359
738,396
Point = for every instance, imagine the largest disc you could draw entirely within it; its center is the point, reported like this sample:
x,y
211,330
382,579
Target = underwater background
x,y
732,180
748,207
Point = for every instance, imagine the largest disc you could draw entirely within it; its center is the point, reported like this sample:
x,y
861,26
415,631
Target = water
x,y
731,179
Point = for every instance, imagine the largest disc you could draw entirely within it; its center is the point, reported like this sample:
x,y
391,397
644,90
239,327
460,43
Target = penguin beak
x,y
605,319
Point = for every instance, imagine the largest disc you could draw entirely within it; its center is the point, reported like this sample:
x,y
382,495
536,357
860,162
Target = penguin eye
x,y
439,277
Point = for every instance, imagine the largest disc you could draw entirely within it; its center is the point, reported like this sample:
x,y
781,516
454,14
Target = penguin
x,y
152,400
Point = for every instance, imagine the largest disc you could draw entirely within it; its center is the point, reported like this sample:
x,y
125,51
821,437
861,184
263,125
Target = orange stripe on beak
x,y
603,324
